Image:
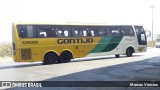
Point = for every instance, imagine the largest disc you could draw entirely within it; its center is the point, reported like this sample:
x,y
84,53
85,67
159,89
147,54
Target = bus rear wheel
x,y
65,57
50,58
129,52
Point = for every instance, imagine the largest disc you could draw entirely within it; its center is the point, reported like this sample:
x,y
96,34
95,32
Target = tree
x,y
5,50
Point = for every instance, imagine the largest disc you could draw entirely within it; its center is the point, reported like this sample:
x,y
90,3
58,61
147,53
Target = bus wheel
x,y
129,52
117,56
65,57
50,58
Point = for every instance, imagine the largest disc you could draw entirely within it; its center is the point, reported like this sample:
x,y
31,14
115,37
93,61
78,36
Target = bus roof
x,y
69,23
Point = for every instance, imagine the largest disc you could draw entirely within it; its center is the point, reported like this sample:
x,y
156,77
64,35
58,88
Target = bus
x,y
61,42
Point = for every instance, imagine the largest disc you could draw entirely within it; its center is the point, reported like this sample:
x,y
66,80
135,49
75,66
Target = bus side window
x,y
97,31
50,32
63,31
66,31
78,31
44,31
53,32
89,33
113,31
127,30
30,31
59,31
109,32
92,33
131,32
123,32
86,32
81,31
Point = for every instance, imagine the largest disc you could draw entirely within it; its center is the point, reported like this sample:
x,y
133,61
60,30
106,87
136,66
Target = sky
x,y
117,12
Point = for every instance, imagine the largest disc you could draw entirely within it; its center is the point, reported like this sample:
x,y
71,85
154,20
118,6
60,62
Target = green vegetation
x,y
6,49
150,43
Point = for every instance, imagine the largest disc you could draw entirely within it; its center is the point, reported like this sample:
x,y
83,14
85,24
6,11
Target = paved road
x,y
140,67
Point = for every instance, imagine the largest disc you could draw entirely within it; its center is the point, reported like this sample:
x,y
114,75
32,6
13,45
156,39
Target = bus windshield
x,y
140,35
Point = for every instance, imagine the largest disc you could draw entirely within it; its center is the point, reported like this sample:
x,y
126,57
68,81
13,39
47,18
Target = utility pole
x,y
152,23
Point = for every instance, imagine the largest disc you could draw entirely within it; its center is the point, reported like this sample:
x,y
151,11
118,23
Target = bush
x,y
6,49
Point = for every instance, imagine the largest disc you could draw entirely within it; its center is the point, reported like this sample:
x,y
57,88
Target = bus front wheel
x,y
129,52
65,57
50,58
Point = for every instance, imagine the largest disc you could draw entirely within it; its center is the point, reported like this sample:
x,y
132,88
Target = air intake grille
x,y
26,54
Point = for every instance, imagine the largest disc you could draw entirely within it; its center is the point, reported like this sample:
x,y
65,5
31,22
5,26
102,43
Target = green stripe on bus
x,y
113,43
101,45
106,44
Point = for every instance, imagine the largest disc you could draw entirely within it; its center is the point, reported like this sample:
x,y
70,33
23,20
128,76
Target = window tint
x,y
42,31
45,31
30,31
63,31
97,31
84,32
127,30
25,31
139,29
80,31
92,33
113,30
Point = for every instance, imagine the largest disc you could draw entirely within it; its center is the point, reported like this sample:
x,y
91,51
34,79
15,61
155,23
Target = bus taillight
x,y
14,49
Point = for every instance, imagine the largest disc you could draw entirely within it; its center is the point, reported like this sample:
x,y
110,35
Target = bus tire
x,y
129,52
65,57
50,58
117,56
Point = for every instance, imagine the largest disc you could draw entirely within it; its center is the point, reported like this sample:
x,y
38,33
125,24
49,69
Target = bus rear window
x,y
25,31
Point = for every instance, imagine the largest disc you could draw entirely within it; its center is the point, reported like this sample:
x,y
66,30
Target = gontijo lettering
x,y
79,40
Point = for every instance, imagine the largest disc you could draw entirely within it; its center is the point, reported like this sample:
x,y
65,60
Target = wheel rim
x,y
129,52
65,57
50,59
